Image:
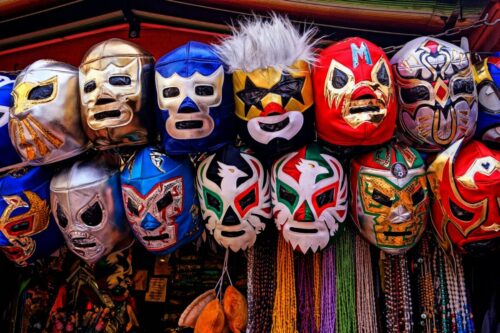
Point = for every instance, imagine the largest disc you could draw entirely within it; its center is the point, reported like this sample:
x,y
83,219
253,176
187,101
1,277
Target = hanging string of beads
x,y
425,289
261,282
317,289
365,297
467,318
305,292
285,301
441,287
345,284
398,305
328,291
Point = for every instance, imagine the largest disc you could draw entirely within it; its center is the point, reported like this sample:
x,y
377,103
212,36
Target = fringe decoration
x,y
285,301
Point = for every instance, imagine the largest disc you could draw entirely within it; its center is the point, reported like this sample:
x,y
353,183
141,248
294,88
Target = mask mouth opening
x,y
303,230
154,238
189,124
107,114
276,126
82,243
397,233
232,233
365,103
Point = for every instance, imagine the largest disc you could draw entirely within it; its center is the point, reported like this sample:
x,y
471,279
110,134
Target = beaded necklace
x,y
365,297
285,302
328,291
305,292
398,305
317,289
261,282
425,289
345,284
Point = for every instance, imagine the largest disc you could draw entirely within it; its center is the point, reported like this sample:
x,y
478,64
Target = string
x,y
305,291
285,301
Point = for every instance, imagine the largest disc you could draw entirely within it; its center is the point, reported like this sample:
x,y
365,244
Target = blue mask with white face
x,y
9,158
195,99
28,231
160,200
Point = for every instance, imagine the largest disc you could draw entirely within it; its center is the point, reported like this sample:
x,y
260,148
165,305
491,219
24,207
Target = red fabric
x,y
484,197
330,124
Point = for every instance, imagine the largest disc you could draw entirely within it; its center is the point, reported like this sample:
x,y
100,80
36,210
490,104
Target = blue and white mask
x,y
195,98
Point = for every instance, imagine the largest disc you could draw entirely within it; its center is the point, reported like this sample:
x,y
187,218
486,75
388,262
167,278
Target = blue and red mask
x,y
160,201
27,230
195,99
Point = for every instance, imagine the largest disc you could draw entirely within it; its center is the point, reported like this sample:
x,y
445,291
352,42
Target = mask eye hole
x,y
204,90
247,200
89,87
383,76
339,79
213,202
460,213
41,92
418,196
325,198
120,80
381,198
171,92
287,196
92,216
288,87
61,217
414,94
132,207
165,201
463,87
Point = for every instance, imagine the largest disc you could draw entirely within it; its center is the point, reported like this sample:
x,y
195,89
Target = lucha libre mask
x,y
466,207
115,79
27,231
272,84
309,196
160,201
487,77
87,205
9,159
45,125
389,197
235,200
195,99
354,94
436,93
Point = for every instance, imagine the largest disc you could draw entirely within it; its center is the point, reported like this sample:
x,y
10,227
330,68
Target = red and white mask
x,y
309,195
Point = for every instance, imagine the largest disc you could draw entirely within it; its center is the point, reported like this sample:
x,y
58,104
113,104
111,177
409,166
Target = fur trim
x,y
261,43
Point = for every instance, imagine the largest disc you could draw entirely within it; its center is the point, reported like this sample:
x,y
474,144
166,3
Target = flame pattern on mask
x,y
466,186
436,92
45,124
233,188
309,195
